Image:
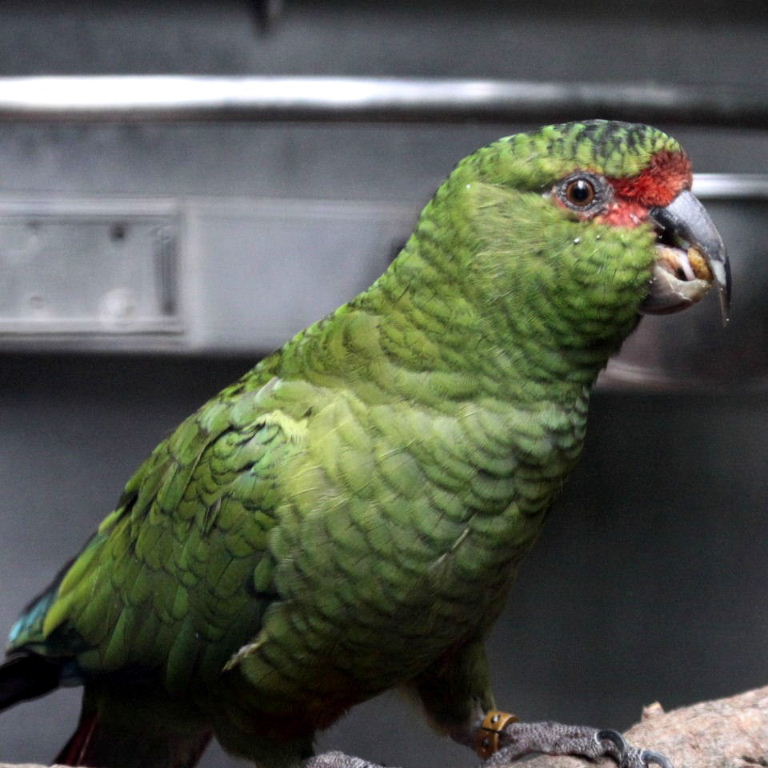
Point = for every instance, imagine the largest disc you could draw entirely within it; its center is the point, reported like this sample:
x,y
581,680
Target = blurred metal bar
x,y
184,97
729,186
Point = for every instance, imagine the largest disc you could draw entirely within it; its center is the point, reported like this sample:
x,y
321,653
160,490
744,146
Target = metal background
x,y
649,580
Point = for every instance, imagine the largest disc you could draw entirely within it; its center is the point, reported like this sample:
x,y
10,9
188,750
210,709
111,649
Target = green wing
x,y
178,577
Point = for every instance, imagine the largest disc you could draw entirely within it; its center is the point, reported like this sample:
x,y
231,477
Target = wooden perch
x,y
725,733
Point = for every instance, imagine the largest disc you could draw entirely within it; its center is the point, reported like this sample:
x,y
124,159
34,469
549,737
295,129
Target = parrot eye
x,y
583,192
580,192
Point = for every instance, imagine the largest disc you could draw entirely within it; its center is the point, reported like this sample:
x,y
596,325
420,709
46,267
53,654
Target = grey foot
x,y
628,756
519,739
338,760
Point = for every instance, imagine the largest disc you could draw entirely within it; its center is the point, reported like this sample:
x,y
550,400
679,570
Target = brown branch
x,y
724,733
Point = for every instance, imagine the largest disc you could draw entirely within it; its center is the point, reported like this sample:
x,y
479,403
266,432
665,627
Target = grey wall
x,y
648,582
706,41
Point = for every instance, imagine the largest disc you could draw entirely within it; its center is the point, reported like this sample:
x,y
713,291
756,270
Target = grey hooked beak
x,y
690,258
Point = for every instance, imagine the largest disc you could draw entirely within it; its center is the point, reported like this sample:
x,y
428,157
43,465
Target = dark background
x,y
649,581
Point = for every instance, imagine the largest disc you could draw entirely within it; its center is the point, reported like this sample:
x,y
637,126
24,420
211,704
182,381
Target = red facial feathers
x,y
668,174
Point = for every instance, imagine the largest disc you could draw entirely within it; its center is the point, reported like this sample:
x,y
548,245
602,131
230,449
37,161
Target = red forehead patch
x,y
668,174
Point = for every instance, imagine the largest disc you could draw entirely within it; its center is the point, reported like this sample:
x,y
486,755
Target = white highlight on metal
x,y
169,97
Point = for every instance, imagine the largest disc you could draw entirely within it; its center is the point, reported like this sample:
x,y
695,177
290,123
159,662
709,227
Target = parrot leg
x,y
502,739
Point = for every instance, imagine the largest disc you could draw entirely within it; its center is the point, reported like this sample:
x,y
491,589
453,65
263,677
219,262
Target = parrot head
x,y
689,252
599,223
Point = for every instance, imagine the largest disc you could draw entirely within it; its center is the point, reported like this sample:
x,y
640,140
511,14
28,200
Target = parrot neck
x,y
506,342
496,294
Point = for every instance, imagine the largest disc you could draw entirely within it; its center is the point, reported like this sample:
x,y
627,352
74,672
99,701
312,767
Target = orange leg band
x,y
488,735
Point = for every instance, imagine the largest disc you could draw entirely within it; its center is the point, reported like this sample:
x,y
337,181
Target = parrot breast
x,y
402,532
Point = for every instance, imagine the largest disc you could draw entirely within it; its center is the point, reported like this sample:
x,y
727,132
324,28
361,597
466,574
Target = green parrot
x,y
349,516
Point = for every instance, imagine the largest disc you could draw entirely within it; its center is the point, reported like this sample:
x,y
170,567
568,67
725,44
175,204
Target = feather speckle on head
x,y
643,162
643,166
615,149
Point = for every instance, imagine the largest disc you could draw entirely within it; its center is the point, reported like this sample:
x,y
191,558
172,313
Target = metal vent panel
x,y
85,272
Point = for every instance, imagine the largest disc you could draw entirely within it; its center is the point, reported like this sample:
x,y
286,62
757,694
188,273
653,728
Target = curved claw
x,y
618,741
650,757
626,755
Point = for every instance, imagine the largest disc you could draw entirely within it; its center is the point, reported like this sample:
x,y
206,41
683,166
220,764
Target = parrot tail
x,y
94,745
26,676
141,738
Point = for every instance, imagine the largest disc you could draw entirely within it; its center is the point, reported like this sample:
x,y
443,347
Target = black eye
x,y
580,193
584,192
